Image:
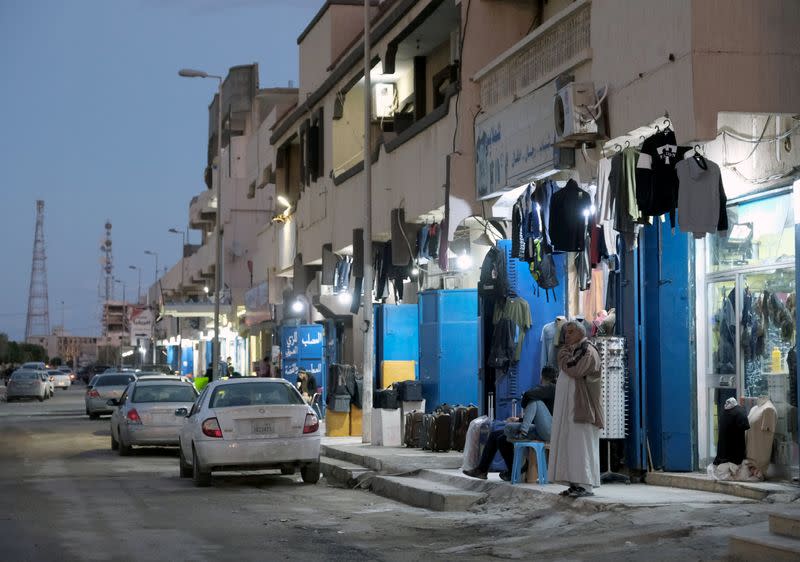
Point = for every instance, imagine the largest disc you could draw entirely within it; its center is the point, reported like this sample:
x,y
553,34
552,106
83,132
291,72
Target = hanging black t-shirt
x,y
731,446
569,208
656,178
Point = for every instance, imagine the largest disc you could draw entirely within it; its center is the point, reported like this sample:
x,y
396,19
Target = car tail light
x,y
94,394
211,428
133,416
312,424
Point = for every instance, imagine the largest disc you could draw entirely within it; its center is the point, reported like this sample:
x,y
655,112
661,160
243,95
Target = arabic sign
x,y
290,348
515,143
312,341
140,324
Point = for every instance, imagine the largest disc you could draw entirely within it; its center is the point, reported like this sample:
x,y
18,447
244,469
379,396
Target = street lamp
x,y
139,287
155,255
192,73
183,233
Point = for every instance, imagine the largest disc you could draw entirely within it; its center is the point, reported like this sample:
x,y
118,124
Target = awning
x,y
193,310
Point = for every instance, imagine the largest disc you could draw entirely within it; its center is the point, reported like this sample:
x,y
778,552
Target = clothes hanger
x,y
698,157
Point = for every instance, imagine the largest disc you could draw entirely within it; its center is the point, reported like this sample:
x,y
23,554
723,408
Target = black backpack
x,y
494,278
543,268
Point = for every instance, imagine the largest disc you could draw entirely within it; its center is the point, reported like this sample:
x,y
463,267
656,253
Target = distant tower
x,y
107,261
38,323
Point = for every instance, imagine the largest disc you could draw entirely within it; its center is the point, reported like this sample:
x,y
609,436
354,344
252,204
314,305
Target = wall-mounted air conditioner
x,y
383,100
576,111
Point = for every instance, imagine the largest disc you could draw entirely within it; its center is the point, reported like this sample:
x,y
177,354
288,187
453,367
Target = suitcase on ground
x,y
439,432
413,430
386,399
408,391
427,420
462,417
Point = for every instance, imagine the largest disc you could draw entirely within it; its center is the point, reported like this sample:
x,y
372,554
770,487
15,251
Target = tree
x,y
3,347
56,361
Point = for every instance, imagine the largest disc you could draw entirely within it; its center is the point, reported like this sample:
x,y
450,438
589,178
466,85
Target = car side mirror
x,y
182,412
113,402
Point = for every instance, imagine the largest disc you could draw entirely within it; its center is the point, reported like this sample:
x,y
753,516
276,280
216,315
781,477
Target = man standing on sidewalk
x,y
535,424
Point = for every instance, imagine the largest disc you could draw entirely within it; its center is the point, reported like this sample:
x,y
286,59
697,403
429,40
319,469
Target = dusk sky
x,y
96,121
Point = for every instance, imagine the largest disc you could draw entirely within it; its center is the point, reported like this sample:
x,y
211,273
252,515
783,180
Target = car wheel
x,y
186,469
287,470
114,442
93,416
41,398
124,449
201,477
310,473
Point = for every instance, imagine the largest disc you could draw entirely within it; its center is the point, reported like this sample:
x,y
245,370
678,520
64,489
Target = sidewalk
x,y
434,481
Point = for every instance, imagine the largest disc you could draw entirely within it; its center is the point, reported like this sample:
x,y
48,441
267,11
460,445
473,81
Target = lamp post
x,y
191,73
155,273
182,233
139,287
369,360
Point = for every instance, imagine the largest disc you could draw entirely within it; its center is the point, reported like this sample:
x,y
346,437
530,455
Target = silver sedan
x,y
102,389
145,413
27,384
247,424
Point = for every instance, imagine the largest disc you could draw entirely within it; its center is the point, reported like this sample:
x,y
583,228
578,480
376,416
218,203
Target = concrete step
x,y
391,459
757,543
424,493
690,481
341,472
350,455
785,524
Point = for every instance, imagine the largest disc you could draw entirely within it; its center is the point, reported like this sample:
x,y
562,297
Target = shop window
x,y
761,233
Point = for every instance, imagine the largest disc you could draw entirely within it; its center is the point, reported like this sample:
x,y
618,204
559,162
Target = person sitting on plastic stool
x,y
535,424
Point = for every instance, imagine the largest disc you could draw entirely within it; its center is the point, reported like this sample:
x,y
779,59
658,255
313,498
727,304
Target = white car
x,y
249,424
60,378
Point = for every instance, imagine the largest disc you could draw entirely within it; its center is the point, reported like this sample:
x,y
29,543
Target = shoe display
x,y
475,473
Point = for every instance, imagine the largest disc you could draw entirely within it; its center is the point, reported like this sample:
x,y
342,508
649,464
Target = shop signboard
x,y
311,341
256,304
140,324
290,347
515,143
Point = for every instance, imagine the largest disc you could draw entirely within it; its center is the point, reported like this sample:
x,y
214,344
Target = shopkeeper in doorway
x,y
578,419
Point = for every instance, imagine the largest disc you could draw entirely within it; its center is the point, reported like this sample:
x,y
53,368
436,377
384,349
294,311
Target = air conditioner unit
x,y
575,114
383,99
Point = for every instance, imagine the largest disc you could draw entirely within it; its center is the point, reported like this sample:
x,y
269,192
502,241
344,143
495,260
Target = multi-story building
x,y
73,350
185,330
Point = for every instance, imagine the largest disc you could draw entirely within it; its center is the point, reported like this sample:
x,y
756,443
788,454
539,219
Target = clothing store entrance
x,y
749,328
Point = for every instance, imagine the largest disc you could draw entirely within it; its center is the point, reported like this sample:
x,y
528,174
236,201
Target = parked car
x,y
33,366
158,368
51,382
145,413
103,388
246,424
70,373
27,383
60,378
93,370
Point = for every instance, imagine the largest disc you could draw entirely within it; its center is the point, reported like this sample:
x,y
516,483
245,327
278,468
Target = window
x,y
164,393
761,232
255,394
114,380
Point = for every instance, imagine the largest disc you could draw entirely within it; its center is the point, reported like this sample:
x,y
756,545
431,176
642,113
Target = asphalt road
x,y
64,495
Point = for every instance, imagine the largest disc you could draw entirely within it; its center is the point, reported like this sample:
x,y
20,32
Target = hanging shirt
x,y
569,209
701,197
656,178
517,311
541,199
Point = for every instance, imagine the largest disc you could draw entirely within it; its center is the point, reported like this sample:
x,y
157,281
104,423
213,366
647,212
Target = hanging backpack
x,y
543,268
494,278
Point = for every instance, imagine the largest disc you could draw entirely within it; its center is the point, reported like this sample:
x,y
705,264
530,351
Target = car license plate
x,y
263,427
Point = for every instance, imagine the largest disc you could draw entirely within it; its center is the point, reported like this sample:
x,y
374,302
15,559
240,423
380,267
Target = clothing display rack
x,y
612,351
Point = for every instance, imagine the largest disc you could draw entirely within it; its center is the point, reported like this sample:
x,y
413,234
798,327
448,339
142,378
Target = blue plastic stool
x,y
541,461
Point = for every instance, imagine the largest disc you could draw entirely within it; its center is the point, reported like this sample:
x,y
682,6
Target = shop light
x,y
142,350
414,271
464,261
297,306
127,353
345,298
205,289
283,201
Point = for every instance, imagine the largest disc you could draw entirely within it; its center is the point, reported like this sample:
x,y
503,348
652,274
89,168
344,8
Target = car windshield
x,y
114,380
59,373
254,394
26,376
164,393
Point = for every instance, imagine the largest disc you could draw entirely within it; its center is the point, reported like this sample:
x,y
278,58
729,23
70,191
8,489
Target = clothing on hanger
x,y
517,310
569,209
702,205
656,178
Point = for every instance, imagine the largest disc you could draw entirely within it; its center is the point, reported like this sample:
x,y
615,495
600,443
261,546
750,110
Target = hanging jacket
x,y
502,351
569,208
701,198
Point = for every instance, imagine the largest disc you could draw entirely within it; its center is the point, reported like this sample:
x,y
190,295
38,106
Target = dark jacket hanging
x,y
569,208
